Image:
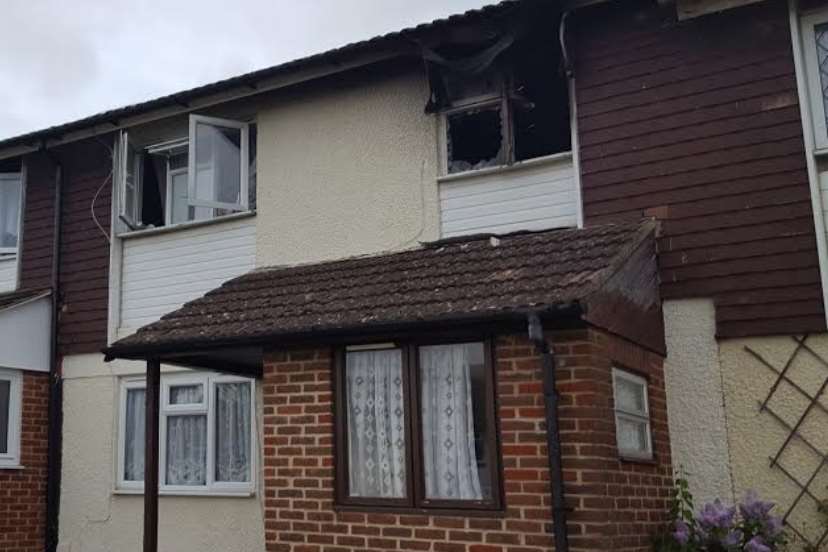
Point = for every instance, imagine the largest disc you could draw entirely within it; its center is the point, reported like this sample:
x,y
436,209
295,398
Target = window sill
x,y
632,459
12,467
202,494
405,510
538,161
185,225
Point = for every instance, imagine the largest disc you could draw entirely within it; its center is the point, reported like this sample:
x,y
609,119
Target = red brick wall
x,y
617,504
23,492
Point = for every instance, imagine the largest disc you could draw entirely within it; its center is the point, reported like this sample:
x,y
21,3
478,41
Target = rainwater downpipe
x,y
55,433
553,434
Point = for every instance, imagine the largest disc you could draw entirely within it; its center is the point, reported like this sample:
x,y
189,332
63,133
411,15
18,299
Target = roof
x,y
403,39
16,299
482,277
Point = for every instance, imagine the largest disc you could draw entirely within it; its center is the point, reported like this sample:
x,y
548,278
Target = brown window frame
x,y
415,498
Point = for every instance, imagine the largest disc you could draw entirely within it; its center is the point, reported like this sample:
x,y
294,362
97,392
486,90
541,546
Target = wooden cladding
x,y
84,268
699,122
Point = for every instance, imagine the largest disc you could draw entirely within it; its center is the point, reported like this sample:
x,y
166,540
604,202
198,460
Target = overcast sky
x,y
62,60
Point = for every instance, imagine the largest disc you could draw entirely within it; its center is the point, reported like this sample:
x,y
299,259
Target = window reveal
x,y
449,437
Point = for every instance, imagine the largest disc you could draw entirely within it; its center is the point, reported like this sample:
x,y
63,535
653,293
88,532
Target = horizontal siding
x,y
699,122
8,274
536,196
162,272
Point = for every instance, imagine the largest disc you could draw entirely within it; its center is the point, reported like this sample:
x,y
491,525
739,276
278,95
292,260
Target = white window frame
x,y
640,417
11,458
14,177
809,22
244,163
133,218
206,407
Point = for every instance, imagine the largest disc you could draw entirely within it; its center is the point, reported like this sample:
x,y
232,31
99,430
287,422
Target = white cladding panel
x,y
536,195
161,272
8,274
25,335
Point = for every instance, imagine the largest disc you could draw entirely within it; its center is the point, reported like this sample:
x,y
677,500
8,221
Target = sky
x,y
62,60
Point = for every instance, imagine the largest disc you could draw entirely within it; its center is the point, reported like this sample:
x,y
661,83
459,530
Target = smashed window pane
x,y
475,139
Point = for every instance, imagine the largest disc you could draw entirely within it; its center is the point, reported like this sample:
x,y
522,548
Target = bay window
x,y
206,434
208,174
416,426
11,392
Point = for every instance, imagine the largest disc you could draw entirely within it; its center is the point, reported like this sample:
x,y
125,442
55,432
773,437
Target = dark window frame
x,y
415,478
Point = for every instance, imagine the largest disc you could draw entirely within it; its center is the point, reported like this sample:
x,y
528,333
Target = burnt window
x,y
475,139
415,426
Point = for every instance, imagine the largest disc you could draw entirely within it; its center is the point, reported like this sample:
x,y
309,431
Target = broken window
x,y
206,175
502,102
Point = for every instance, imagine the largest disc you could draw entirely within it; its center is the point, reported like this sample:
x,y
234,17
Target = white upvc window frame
x,y
132,217
814,89
639,417
11,458
14,177
244,163
206,407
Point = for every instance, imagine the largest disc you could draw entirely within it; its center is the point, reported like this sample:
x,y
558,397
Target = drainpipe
x,y
553,434
55,437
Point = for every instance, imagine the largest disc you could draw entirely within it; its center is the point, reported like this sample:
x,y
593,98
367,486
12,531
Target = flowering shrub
x,y
717,527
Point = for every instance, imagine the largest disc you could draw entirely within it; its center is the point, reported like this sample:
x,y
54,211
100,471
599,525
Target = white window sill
x,y
185,225
537,161
194,493
12,467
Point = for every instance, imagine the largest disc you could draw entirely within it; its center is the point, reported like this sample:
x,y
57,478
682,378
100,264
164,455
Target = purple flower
x,y
716,515
773,527
733,538
756,544
753,509
682,533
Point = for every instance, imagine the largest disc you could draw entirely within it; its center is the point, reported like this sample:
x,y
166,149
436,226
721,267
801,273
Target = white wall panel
x,y
8,274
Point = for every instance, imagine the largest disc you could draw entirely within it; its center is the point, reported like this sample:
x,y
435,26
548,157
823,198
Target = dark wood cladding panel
x,y
84,248
84,269
699,122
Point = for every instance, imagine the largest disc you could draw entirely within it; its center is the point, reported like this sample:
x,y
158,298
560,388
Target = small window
x,y
208,174
10,417
206,425
11,189
437,450
632,415
815,51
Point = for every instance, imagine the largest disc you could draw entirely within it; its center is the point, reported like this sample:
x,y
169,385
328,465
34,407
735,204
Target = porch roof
x,y
470,279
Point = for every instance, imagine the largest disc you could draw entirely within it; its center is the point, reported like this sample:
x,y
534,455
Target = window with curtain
x,y
632,415
416,422
207,433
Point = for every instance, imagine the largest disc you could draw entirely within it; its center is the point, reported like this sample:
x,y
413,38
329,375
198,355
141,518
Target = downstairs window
x,y
11,392
206,434
416,425
632,415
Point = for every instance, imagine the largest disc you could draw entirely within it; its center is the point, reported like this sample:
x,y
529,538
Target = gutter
x,y
55,427
553,434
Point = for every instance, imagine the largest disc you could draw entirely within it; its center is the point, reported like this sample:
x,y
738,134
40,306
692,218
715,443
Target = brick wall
x,y
617,504
23,492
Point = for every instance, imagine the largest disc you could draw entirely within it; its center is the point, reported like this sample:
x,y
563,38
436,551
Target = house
x,y
472,286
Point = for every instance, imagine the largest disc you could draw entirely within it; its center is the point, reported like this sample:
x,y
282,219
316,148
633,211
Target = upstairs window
x,y
11,189
206,175
815,50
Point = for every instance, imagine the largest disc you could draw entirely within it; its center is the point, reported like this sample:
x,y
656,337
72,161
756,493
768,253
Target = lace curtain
x,y
233,432
376,424
187,450
134,435
449,457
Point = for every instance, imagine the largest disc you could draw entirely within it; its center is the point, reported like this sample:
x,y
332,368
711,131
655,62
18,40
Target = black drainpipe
x,y
553,434
55,433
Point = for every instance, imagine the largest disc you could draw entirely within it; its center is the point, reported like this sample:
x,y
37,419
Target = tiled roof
x,y
462,279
